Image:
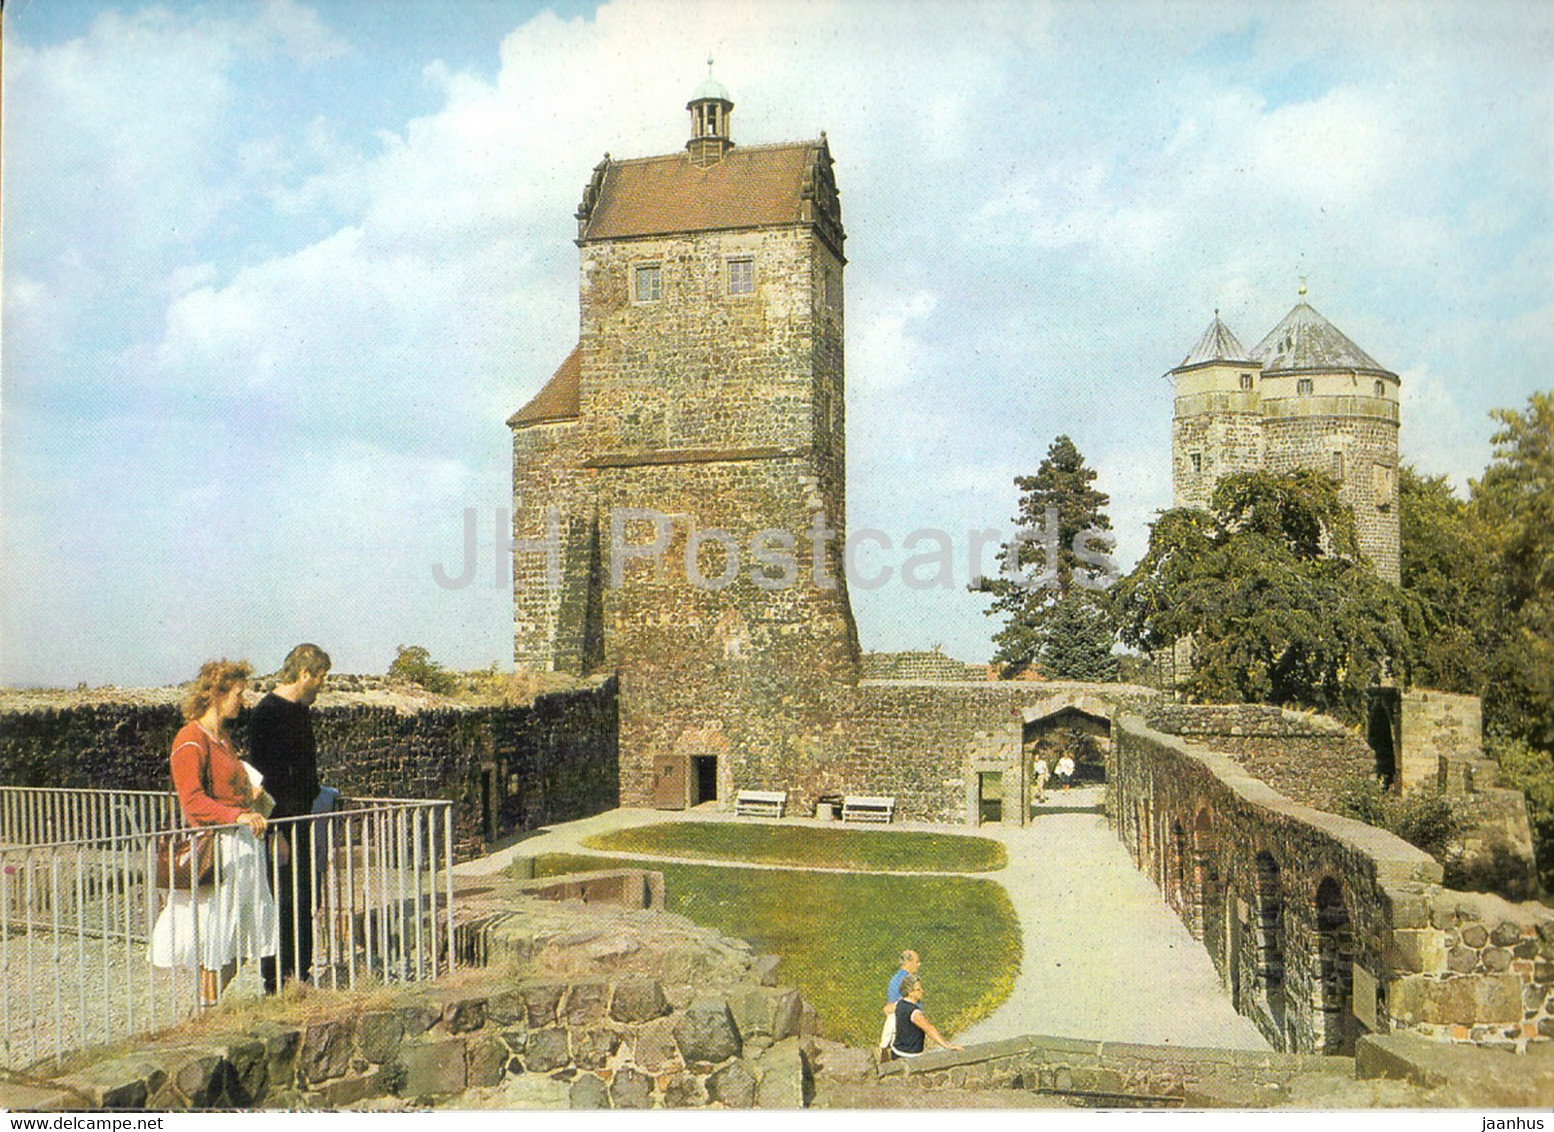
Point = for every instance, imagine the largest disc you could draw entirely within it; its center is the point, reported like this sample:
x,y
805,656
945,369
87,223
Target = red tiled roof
x,y
558,401
749,188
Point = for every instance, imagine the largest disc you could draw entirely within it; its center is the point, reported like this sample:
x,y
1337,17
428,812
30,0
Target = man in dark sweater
x,y
282,747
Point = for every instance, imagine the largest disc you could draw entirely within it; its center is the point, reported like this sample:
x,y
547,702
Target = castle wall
x,y
505,769
1306,757
1323,928
1225,431
555,619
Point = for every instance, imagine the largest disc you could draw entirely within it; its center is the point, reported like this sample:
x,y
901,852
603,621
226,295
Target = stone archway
x,y
1077,724
1337,1025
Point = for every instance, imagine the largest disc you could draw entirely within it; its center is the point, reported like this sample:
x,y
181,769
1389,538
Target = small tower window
x,y
741,276
1246,381
1381,388
649,283
1303,386
1197,462
1338,465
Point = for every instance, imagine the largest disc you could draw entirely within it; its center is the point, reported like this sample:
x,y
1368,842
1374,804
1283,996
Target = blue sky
x,y
276,273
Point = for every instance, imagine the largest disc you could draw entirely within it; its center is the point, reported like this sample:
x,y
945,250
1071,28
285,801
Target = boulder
x,y
248,1071
464,1015
593,1048
124,1082
202,1078
542,1000
684,1091
770,1012
507,1007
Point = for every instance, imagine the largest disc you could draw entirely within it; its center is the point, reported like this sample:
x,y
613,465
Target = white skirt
x,y
235,920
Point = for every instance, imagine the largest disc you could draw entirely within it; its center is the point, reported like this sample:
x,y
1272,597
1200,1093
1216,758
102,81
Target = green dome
x,y
710,88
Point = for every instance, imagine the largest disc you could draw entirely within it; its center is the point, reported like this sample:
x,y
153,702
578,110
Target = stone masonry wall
x,y
1323,928
1303,756
552,760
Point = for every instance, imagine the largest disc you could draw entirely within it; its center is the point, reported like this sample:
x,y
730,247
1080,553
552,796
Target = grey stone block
x,y
732,1086
202,1078
654,1050
631,1089
122,1083
592,1048
546,1051
784,1077
706,1033
248,1071
588,1091
464,1015
506,1008
684,1091
585,1002
485,1060
326,1050
638,1000
432,1068
378,1034
542,1000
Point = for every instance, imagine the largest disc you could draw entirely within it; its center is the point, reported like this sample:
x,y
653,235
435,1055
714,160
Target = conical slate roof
x,y
1218,344
1307,341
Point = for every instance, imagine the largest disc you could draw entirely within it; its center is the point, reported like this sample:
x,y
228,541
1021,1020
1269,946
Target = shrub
x,y
1424,816
415,664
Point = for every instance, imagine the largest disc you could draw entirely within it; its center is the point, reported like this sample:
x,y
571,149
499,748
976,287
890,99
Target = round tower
x,y
1217,427
1330,406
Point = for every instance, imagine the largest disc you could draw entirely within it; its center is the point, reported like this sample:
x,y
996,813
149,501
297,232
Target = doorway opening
x,y
990,796
705,768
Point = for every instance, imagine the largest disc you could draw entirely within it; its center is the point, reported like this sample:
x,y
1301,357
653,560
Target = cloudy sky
x,y
275,273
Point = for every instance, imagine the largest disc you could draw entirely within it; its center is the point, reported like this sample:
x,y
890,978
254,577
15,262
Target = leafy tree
x,y
1064,603
414,663
1270,586
1515,501
1448,571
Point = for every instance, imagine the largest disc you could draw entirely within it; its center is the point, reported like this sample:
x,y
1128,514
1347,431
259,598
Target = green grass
x,y
809,846
840,935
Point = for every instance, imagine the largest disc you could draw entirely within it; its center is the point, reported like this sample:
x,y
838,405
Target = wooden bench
x,y
760,803
864,807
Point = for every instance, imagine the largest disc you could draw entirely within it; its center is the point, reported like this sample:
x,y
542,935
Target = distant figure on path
x,y
1065,770
1039,774
283,748
909,965
912,1024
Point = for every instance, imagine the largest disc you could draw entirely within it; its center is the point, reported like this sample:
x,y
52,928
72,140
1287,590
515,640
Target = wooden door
x,y
669,781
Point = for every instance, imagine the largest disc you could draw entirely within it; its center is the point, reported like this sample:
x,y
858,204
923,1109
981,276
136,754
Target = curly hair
x,y
216,679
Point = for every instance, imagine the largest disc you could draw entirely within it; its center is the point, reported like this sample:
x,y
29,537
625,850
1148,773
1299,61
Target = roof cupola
x,y
710,107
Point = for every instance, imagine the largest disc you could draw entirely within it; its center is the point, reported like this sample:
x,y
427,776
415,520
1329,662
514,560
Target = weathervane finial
x,y
709,64
1302,287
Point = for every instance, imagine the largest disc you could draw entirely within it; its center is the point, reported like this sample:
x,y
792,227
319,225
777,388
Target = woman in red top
x,y
212,928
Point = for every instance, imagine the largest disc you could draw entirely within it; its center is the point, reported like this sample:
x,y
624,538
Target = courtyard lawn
x,y
808,846
840,935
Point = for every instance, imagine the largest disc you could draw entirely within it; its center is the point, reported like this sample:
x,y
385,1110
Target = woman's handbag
x,y
185,862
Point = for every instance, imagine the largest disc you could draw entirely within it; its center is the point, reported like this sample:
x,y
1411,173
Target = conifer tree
x,y
1063,625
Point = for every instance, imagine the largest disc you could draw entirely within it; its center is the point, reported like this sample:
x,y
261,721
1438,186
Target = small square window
x,y
1303,386
1246,381
741,276
1381,388
649,283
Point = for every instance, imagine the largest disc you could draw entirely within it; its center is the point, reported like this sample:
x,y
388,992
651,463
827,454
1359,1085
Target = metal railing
x,y
99,887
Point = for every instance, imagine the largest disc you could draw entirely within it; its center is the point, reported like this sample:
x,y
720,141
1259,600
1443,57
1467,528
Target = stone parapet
x,y
1324,928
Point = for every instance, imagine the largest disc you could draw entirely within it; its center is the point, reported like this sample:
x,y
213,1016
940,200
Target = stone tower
x,y
692,450
1304,397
